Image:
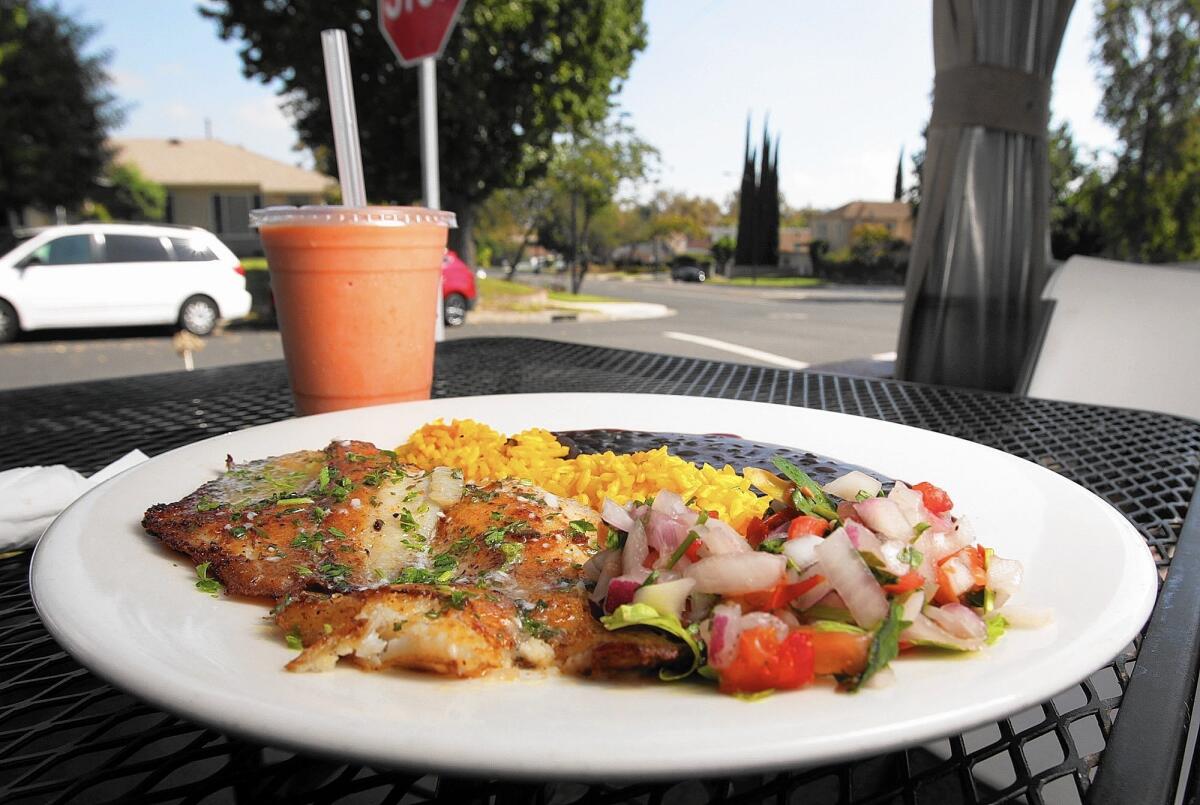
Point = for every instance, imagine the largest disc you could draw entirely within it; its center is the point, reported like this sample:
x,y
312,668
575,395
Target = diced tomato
x,y
764,662
960,573
693,550
780,596
806,524
651,559
838,652
904,645
910,581
935,498
757,531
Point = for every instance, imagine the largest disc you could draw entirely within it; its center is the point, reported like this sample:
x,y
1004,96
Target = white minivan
x,y
104,275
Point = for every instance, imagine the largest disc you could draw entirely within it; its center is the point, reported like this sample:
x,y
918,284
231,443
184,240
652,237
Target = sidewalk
x,y
573,311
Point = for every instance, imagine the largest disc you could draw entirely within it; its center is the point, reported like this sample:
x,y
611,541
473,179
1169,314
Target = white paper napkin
x,y
31,497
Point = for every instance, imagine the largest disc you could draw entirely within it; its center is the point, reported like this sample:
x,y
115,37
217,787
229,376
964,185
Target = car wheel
x,y
454,309
198,315
10,325
701,276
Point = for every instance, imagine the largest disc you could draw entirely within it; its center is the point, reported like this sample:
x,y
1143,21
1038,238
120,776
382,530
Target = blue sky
x,y
845,84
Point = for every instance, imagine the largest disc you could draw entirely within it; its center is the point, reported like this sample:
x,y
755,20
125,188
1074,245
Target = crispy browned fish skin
x,y
482,631
264,560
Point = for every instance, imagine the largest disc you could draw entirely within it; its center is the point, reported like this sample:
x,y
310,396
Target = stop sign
x,y
417,29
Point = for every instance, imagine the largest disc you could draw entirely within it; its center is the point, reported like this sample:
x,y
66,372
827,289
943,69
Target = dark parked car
x,y
689,273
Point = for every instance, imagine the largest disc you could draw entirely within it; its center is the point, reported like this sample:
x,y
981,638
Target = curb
x,y
573,311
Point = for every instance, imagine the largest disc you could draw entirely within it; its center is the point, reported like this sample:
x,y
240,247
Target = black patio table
x,y
65,735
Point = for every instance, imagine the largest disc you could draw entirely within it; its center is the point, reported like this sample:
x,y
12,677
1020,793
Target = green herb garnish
x,y
581,527
293,639
206,505
293,501
204,584
772,545
679,552
884,648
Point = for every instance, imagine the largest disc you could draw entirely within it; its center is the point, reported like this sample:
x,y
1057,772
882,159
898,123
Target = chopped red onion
x,y
725,630
843,568
622,589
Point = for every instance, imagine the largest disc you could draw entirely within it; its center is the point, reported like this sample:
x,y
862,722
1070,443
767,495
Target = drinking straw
x,y
345,119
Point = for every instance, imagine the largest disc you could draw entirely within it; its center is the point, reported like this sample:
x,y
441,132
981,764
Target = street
x,y
781,327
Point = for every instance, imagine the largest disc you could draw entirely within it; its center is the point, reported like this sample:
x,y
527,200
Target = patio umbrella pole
x,y
981,251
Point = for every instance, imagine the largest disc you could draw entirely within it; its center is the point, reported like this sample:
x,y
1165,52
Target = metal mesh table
x,y
67,736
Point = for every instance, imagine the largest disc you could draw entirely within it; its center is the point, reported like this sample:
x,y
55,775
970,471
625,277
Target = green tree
x,y
126,195
587,169
513,75
55,110
1077,198
1150,72
723,250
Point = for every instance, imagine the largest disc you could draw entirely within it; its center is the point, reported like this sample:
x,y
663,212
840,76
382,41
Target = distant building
x,y
214,185
835,226
794,243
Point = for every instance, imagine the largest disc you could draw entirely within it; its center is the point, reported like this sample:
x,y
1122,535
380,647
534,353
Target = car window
x,y
191,250
64,251
133,249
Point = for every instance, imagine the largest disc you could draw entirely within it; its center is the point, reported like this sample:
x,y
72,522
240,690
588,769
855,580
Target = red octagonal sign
x,y
417,29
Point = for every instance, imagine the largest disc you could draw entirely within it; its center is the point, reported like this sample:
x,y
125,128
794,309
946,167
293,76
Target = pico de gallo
x,y
833,581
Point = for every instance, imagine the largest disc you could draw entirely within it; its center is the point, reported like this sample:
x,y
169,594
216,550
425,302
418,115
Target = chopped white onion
x,y
718,538
849,575
608,571
593,567
849,485
616,516
1003,578
802,550
633,557
884,517
445,486
668,597
923,630
737,574
863,538
958,620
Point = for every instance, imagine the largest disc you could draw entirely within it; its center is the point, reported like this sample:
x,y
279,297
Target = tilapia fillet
x,y
391,566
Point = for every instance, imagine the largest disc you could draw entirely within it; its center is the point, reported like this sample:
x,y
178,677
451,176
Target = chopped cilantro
x,y
411,496
204,584
616,539
238,531
397,626
282,605
581,527
306,540
304,570
772,545
678,553
293,639
323,478
651,579
355,458
808,497
911,556
513,551
884,647
407,521
538,629
336,533
920,528
863,495
207,505
292,501
459,598
331,570
327,628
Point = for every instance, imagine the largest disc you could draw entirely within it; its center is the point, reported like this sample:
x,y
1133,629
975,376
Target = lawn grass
x,y
770,282
492,288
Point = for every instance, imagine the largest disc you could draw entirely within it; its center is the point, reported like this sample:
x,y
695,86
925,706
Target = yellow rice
x,y
535,455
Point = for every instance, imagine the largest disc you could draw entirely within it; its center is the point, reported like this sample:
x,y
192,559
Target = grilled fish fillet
x,y
391,566
345,518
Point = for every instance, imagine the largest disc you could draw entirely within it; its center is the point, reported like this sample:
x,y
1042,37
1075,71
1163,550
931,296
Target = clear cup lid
x,y
329,215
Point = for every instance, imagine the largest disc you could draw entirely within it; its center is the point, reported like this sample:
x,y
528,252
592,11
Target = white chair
x,y
1121,334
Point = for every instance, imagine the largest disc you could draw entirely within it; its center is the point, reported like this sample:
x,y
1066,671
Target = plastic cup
x,y
356,296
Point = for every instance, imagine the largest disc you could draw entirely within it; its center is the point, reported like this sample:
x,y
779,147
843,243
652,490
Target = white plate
x,y
127,608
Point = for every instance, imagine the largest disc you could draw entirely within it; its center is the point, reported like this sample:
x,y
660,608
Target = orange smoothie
x,y
356,301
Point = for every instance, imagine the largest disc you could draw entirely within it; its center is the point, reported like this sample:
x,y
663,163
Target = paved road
x,y
773,327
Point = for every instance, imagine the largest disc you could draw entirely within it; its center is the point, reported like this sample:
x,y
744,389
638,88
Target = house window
x,y
231,212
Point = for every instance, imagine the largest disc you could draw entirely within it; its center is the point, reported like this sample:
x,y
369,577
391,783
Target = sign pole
x,y
430,177
429,140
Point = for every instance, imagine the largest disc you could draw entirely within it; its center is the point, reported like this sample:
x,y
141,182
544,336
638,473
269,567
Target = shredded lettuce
x,y
997,625
646,615
825,613
753,697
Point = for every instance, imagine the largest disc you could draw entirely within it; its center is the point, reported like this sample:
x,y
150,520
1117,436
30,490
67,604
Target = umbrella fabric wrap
x,y
981,250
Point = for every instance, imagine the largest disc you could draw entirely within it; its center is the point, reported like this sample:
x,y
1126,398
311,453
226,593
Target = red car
x,y
458,289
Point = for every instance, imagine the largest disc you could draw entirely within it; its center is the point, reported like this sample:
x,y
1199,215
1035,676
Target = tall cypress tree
x,y
762,198
771,195
899,192
744,250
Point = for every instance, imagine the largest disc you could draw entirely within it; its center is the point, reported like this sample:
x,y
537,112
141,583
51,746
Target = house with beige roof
x,y
214,184
835,226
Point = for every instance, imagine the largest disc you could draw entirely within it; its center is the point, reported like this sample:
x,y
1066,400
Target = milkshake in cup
x,y
356,295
